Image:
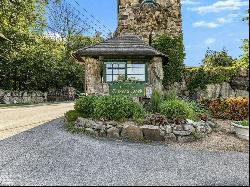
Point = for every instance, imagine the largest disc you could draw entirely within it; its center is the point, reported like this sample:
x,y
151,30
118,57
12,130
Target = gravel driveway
x,y
14,120
48,155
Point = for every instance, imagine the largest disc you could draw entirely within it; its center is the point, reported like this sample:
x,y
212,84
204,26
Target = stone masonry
x,y
150,21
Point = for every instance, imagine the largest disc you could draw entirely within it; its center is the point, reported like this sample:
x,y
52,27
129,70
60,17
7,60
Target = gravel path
x,y
14,120
48,155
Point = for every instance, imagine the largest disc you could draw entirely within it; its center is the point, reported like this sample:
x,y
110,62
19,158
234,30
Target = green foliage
x,y
199,109
243,61
174,49
85,105
155,101
174,109
244,123
32,60
117,108
170,95
72,115
202,76
246,19
217,58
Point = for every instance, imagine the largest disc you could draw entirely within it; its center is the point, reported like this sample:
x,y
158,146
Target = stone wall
x,y
34,97
10,97
238,86
146,20
188,131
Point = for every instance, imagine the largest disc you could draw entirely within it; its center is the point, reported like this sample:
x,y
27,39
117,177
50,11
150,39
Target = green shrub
x,y
72,115
174,109
170,95
244,123
117,108
155,101
85,105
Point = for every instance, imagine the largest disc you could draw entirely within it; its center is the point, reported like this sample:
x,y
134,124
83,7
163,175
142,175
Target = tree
x,y
217,58
246,19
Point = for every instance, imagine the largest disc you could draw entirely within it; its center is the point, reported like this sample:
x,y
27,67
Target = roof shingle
x,y
124,45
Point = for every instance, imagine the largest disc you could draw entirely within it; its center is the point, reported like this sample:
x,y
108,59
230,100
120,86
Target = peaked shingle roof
x,y
124,45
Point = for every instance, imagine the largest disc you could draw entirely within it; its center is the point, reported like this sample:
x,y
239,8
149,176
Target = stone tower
x,y
149,18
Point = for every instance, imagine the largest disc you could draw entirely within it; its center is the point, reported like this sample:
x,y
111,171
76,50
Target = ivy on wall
x,y
174,49
199,78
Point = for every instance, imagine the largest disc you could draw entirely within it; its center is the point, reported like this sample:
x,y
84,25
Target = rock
x,y
200,123
208,129
152,133
91,132
113,133
86,123
103,133
131,131
241,93
201,129
186,139
188,128
211,124
98,126
168,129
170,137
240,83
177,127
189,121
182,133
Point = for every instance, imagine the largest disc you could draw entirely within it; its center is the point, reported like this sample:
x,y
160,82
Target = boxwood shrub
x,y
174,109
117,108
85,105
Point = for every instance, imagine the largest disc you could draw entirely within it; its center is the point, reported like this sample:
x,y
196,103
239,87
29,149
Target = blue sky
x,y
206,23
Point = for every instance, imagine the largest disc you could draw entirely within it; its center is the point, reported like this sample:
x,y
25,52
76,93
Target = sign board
x,y
127,89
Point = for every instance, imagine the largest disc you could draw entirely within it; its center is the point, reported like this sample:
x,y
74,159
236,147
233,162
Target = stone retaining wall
x,y
237,87
11,97
34,97
186,132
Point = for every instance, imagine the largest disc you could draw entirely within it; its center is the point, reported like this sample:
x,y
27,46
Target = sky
x,y
216,24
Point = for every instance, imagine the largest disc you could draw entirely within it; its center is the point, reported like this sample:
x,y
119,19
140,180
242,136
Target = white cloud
x,y
228,19
221,5
219,21
190,2
205,24
210,41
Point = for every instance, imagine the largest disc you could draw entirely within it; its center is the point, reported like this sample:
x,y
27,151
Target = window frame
x,y
126,62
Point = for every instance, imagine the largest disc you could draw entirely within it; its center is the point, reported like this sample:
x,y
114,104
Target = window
x,y
121,71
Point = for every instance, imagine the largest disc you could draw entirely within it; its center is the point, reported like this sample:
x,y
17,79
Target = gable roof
x,y
124,45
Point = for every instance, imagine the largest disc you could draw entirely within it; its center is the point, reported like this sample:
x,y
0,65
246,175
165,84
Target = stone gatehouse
x,y
122,65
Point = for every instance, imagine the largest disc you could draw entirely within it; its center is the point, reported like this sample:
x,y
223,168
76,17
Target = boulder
x,y
152,133
131,131
113,133
86,123
188,128
170,138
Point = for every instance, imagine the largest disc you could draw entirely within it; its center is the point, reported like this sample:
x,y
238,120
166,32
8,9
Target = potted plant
x,y
242,129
